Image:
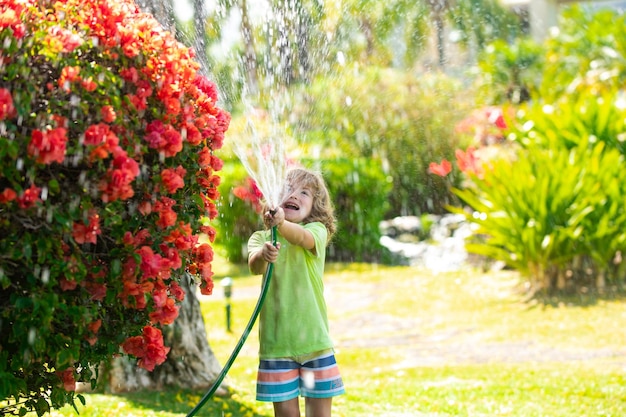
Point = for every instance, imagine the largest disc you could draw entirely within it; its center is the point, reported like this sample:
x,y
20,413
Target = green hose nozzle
x,y
257,309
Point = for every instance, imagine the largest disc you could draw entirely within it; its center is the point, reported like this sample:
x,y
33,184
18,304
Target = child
x,y
296,351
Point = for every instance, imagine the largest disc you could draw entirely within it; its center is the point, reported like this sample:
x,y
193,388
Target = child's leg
x,y
289,408
318,407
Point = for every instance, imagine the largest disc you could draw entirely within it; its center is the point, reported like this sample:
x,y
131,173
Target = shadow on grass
x,y
578,298
183,401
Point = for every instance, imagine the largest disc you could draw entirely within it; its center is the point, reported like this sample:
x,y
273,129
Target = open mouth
x,y
291,206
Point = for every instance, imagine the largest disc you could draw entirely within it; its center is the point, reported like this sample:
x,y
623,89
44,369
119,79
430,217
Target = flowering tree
x,y
107,180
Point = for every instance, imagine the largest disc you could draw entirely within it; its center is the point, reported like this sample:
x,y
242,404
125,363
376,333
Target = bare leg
x,y
318,407
289,408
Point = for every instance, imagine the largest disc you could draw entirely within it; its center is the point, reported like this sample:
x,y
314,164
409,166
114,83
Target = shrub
x,y
546,209
107,133
360,192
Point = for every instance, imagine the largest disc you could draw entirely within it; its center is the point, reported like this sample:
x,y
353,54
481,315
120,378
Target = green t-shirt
x,y
293,320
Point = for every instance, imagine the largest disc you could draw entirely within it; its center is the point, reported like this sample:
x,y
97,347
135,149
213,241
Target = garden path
x,y
420,341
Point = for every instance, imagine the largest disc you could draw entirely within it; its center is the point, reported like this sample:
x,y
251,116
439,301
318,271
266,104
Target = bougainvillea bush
x,y
107,180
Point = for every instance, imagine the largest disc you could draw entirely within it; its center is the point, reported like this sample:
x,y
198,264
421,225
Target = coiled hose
x,y
257,309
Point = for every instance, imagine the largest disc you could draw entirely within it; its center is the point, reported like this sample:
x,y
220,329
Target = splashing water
x,y
263,156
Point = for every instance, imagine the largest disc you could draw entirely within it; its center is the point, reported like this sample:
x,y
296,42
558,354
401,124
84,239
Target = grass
x,y
414,343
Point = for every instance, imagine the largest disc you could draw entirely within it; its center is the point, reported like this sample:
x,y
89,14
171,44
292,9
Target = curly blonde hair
x,y
322,210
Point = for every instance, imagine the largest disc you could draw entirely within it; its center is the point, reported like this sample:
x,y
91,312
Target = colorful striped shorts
x,y
284,379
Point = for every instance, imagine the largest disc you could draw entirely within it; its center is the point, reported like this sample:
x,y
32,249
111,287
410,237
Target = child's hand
x,y
270,252
275,218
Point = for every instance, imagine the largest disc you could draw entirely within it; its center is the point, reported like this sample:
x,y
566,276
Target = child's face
x,y
297,203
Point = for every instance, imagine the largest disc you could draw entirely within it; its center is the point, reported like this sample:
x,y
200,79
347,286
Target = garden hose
x,y
266,284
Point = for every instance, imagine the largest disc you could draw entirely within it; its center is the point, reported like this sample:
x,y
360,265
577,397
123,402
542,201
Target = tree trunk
x,y
190,363
441,48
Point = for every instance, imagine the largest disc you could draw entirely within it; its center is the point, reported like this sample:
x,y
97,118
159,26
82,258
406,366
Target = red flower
x,y
93,328
7,195
172,256
203,253
204,157
250,193
117,184
165,314
207,285
48,146
68,76
192,134
173,178
209,231
176,291
108,114
6,104
206,86
87,233
67,285
167,216
96,134
468,162
67,378
164,138
151,263
495,116
442,169
134,346
148,348
29,198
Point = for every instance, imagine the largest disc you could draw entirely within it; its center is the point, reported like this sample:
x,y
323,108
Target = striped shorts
x,y
284,379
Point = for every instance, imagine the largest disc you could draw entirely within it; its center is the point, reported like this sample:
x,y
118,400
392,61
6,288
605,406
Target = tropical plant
x,y
360,191
540,211
585,54
107,134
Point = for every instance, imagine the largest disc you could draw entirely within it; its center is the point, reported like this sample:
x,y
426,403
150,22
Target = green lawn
x,y
414,343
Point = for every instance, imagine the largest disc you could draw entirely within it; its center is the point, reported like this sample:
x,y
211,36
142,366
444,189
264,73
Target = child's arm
x,y
297,235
